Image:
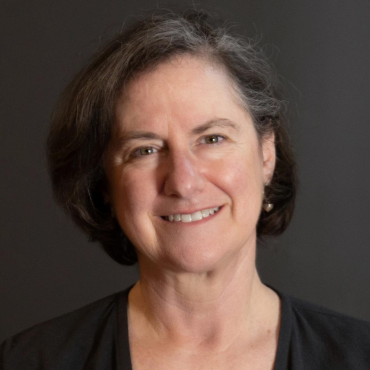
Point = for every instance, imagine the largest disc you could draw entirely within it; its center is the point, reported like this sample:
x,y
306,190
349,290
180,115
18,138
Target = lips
x,y
191,217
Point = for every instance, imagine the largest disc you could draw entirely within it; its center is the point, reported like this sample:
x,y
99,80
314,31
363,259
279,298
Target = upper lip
x,y
187,212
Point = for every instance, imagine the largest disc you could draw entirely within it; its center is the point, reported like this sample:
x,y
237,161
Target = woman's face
x,y
183,146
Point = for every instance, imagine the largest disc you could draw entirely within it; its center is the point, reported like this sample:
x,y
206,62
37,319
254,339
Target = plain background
x,y
322,50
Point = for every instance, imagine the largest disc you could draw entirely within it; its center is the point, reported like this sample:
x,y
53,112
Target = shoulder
x,y
323,336
318,319
65,340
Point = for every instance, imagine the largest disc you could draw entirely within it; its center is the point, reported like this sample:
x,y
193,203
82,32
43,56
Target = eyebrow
x,y
147,135
219,122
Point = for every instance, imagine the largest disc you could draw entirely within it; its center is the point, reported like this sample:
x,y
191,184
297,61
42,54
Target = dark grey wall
x,y
322,49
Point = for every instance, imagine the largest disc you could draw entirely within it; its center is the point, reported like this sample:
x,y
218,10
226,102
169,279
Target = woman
x,y
169,149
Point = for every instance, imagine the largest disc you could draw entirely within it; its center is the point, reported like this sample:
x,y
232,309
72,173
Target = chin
x,y
198,259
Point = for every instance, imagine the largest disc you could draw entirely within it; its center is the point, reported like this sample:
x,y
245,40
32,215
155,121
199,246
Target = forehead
x,y
182,92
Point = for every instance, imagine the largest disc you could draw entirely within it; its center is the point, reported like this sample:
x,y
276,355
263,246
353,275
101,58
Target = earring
x,y
267,206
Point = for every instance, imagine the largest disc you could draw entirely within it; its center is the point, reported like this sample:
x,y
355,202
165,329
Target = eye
x,y
213,139
144,151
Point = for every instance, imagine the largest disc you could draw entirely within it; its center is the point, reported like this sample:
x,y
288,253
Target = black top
x,y
311,338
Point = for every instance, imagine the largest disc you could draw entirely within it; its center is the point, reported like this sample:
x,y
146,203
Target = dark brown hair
x,y
83,119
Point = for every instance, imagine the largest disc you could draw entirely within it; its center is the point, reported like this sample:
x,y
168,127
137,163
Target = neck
x,y
211,310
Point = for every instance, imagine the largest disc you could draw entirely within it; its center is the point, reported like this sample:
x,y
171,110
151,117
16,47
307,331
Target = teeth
x,y
205,213
186,218
196,216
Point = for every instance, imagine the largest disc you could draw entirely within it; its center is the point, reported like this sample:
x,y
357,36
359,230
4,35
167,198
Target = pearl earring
x,y
267,206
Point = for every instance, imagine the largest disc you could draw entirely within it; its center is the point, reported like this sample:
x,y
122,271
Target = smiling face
x,y
182,146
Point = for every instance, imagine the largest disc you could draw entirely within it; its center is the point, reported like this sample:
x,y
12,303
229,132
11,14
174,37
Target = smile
x,y
191,217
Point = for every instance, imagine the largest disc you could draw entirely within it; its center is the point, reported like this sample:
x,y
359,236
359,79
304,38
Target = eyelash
x,y
136,152
214,135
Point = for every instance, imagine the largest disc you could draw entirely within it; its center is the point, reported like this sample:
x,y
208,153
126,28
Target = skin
x,y
183,143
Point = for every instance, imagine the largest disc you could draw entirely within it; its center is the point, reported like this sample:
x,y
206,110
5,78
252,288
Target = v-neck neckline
x,y
123,354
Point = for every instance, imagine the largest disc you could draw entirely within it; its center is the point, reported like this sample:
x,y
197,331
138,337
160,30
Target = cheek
x,y
132,196
242,180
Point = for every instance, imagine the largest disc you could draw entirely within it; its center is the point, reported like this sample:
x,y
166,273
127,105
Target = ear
x,y
269,157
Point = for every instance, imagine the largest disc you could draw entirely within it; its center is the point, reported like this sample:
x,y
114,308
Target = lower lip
x,y
199,222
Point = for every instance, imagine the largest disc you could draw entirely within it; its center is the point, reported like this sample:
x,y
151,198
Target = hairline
x,y
201,55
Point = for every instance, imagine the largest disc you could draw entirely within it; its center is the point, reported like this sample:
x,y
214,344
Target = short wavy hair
x,y
82,121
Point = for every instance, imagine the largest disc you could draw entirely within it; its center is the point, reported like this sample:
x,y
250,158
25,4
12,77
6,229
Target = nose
x,y
184,176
